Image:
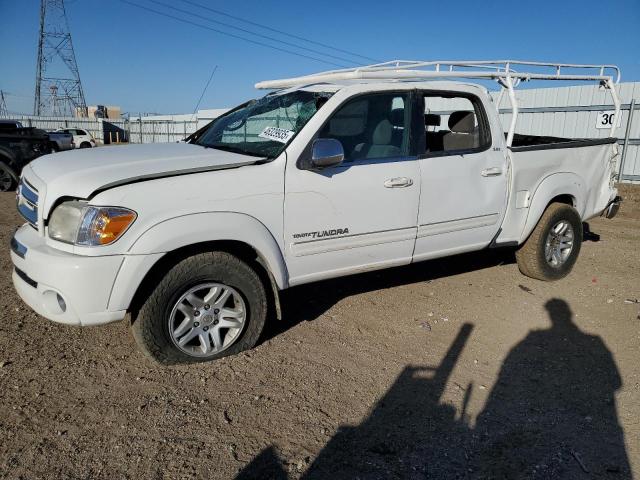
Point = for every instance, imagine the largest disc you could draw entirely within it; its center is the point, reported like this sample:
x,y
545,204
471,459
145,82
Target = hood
x,y
82,172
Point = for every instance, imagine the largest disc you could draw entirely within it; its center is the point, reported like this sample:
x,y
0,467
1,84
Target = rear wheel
x,y
553,247
85,145
206,307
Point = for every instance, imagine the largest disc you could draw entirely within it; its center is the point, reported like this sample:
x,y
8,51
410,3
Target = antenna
x,y
195,110
58,87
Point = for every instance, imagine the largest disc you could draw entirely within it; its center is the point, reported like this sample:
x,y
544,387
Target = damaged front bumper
x,y
60,286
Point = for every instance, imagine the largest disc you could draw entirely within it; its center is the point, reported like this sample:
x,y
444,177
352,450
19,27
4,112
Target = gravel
x,y
457,368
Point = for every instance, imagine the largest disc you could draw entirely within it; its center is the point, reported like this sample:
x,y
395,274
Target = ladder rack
x,y
502,71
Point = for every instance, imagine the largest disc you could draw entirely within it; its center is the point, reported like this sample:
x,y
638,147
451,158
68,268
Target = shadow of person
x,y
265,466
550,415
410,433
552,411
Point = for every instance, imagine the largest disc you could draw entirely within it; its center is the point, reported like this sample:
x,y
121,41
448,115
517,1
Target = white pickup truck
x,y
328,175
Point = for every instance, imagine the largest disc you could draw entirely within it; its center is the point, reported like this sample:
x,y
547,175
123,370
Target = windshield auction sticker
x,y
277,134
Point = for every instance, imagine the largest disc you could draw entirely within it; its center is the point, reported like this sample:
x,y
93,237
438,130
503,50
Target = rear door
x,y
359,215
463,173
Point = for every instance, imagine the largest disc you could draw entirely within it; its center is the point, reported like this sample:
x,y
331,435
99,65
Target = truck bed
x,y
543,167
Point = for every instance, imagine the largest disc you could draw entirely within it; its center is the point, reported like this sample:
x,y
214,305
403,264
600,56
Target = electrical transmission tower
x,y
58,88
3,106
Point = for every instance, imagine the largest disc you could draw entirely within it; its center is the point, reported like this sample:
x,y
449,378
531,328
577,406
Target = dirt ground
x,y
457,368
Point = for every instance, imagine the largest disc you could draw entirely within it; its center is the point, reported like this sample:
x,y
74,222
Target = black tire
x,y
7,178
54,148
531,257
150,324
85,145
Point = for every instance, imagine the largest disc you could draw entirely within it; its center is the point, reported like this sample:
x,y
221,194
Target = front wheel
x,y
208,306
553,247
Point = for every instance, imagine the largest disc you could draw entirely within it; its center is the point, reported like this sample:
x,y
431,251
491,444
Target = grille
x,y
27,197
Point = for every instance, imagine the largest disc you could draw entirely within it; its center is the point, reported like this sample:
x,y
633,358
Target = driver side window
x,y
374,126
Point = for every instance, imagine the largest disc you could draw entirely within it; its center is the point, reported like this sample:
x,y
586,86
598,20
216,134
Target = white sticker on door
x,y
277,134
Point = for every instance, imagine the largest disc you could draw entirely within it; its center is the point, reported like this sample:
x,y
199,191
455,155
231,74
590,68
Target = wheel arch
x,y
242,250
565,187
168,242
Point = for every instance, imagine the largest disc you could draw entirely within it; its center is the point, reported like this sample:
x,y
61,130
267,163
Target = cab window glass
x,y
452,124
371,127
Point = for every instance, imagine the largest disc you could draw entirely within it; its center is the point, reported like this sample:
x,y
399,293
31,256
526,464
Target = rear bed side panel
x,y
554,185
584,173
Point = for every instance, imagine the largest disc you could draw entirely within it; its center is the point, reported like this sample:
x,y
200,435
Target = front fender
x,y
191,229
563,183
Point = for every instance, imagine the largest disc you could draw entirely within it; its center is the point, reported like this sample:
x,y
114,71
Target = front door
x,y
359,215
463,177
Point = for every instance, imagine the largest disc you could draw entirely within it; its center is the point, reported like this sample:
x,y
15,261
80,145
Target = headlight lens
x,y
64,221
81,224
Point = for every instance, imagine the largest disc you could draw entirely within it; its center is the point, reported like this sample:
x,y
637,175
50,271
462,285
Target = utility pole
x,y
58,87
3,106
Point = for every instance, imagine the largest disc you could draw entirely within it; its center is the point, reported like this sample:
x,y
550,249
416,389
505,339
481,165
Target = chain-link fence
x,y
108,131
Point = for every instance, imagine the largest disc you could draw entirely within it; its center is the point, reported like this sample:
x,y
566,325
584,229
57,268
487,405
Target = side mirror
x,y
326,152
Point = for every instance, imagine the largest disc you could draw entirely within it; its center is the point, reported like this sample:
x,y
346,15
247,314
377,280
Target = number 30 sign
x,y
605,119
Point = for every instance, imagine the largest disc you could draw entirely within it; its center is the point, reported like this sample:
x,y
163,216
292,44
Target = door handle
x,y
491,172
398,182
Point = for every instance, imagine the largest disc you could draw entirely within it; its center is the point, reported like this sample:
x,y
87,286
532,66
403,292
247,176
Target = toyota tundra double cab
x,y
325,176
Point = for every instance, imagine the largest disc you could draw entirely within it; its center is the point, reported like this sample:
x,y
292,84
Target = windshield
x,y
262,127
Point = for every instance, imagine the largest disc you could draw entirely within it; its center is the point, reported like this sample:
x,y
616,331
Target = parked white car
x,y
330,175
82,138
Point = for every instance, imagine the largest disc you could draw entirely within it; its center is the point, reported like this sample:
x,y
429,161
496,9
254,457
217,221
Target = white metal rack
x,y
503,71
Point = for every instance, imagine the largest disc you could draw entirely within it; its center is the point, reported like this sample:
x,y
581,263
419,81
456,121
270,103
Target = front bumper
x,y
63,287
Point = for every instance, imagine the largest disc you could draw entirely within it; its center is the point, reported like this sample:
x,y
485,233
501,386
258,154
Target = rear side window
x,y
454,125
374,126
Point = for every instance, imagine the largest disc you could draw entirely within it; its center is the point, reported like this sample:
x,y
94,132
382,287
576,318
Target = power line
x,y
266,27
266,37
255,42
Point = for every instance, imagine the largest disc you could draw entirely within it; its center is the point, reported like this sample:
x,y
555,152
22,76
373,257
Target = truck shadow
x,y
308,302
551,414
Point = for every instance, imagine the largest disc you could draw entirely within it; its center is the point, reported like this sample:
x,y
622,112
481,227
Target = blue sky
x,y
145,62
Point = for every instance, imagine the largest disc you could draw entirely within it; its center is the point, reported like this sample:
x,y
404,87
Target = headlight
x,y
81,224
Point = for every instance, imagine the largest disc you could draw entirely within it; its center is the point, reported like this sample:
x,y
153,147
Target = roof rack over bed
x,y
507,73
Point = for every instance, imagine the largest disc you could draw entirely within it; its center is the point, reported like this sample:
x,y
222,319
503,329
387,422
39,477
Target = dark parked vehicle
x,y
10,124
18,146
58,141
